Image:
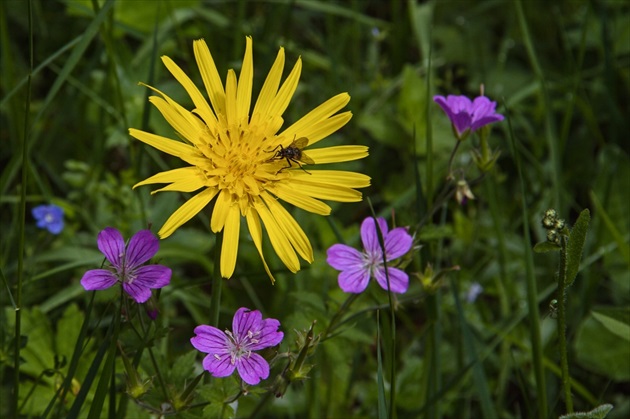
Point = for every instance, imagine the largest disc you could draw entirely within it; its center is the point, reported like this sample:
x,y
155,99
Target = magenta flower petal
x,y
210,340
398,280
343,257
354,280
219,366
98,279
369,235
461,121
269,335
229,350
246,320
252,368
466,114
111,244
153,276
398,242
142,247
138,292
357,267
127,264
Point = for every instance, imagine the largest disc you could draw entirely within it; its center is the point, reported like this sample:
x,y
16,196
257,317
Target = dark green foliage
x,y
562,71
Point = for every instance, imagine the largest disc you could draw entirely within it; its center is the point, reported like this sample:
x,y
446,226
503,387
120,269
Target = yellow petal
x,y
190,129
338,153
270,87
170,176
326,191
298,199
187,179
317,115
278,239
281,101
293,230
203,109
188,210
334,177
221,209
172,147
322,130
245,81
255,230
210,76
231,110
229,249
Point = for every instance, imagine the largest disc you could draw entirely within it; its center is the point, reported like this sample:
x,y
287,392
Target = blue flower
x,y
49,217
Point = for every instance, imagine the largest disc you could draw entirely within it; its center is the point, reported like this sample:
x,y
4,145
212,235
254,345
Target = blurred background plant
x,y
560,72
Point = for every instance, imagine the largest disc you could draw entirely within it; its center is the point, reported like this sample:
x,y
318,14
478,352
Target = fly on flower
x,y
225,145
293,153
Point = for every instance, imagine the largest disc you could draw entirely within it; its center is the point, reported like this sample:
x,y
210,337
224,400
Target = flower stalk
x,y
562,326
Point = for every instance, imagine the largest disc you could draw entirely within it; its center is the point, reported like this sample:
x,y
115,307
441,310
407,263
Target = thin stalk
x,y
554,152
217,280
562,327
532,289
20,268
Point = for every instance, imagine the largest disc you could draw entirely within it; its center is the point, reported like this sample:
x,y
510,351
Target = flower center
x,y
240,345
236,160
372,260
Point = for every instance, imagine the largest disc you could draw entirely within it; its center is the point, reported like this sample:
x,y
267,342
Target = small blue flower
x,y
49,217
473,292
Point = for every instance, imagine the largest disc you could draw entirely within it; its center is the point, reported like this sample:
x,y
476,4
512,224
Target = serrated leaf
x,y
600,412
575,244
544,247
183,368
617,320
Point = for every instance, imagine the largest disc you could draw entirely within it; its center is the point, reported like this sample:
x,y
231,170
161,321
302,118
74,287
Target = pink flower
x,y
127,265
357,267
228,351
467,116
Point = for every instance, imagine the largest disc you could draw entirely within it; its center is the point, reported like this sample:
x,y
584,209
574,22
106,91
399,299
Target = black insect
x,y
293,154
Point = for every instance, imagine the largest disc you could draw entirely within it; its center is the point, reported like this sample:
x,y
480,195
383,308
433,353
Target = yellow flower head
x,y
242,160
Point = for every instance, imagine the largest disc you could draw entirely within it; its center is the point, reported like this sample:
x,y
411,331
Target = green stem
x,y
335,319
531,286
217,280
562,327
20,268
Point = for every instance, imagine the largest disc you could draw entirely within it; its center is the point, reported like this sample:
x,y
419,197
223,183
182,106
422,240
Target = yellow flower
x,y
240,159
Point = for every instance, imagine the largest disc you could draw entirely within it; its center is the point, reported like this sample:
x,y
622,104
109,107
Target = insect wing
x,y
300,143
306,159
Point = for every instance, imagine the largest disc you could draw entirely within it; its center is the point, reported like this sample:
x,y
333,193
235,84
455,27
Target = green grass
x,y
560,72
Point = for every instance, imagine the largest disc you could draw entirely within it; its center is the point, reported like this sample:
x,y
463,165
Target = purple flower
x,y
49,217
357,268
468,116
127,265
233,350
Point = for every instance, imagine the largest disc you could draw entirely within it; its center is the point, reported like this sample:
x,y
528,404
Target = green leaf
x,y
575,244
600,412
544,247
602,351
615,319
